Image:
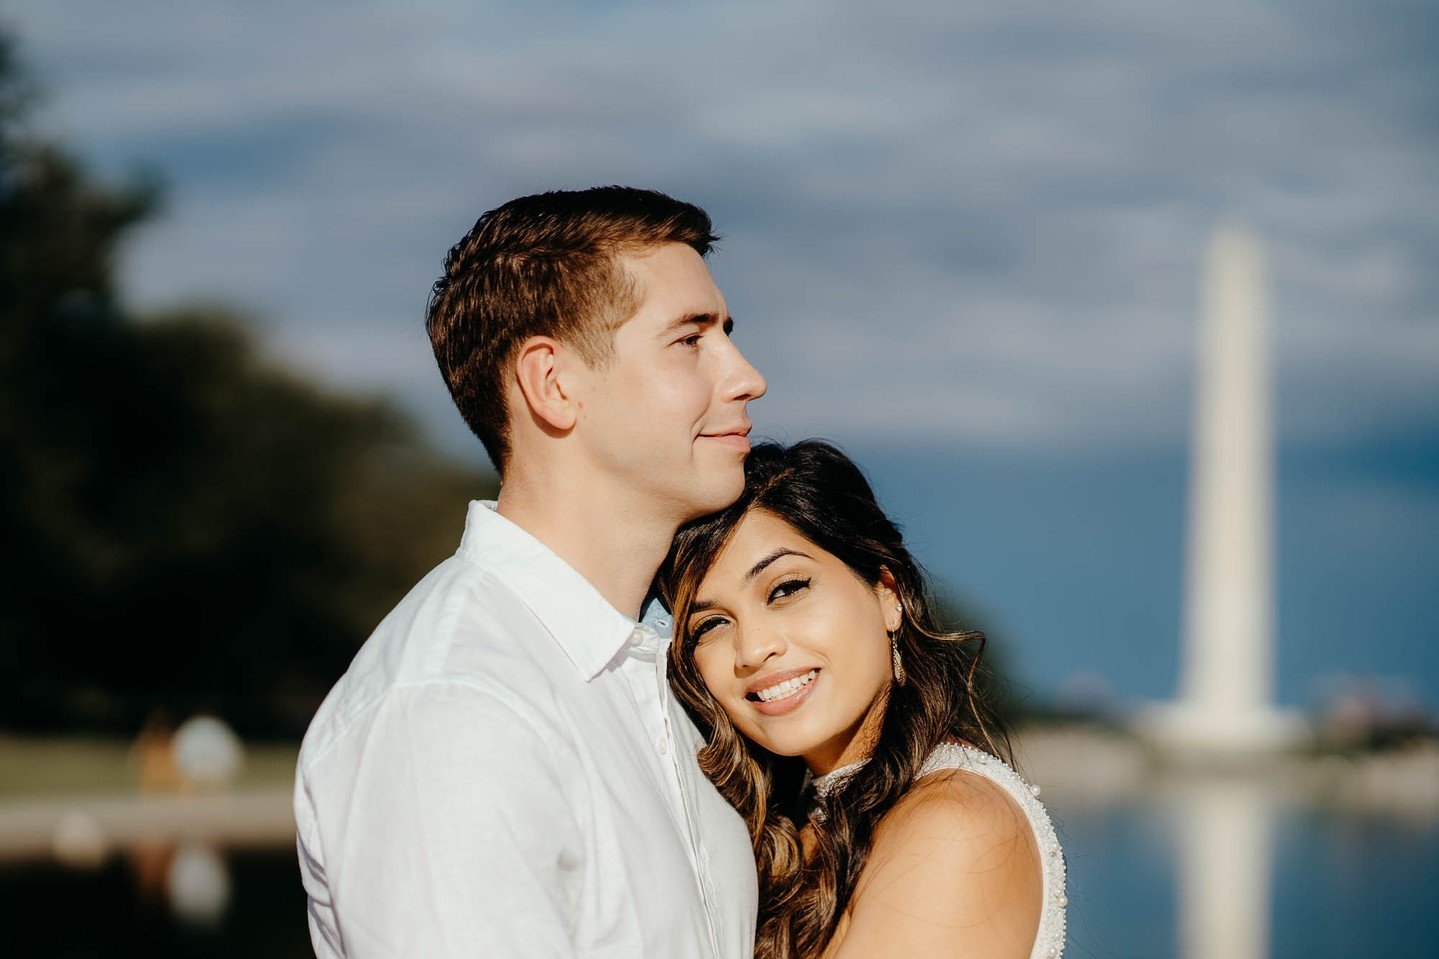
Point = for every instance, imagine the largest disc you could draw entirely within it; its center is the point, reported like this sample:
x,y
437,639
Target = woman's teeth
x,y
787,688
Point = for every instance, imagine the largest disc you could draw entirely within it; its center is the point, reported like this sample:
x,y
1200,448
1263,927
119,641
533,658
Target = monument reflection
x,y
1225,864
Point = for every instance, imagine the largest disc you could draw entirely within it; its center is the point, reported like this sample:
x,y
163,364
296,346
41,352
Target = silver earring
x,y
894,649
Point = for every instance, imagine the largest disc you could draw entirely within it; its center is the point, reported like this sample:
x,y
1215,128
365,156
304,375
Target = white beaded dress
x,y
1049,942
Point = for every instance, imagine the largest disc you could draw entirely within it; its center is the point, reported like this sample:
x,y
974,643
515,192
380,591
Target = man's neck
x,y
604,534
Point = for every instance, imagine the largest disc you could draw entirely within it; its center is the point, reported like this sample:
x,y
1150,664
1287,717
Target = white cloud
x,y
967,222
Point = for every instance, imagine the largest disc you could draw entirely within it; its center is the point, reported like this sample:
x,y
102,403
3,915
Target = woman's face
x,y
792,644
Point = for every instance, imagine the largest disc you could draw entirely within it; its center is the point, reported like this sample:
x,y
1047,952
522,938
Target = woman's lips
x,y
778,707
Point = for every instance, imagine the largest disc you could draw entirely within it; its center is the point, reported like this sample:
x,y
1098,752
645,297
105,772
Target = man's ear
x,y
538,368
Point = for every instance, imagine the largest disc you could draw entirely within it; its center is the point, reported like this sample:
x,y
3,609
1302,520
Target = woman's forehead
x,y
758,536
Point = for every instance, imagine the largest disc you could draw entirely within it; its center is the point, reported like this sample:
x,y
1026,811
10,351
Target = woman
x,y
805,647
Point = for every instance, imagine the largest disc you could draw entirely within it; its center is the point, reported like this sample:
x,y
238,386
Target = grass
x,y
39,767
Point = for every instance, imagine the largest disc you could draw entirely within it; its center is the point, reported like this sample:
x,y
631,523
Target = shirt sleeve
x,y
450,831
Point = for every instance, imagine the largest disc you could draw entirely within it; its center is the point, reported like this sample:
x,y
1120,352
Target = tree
x,y
182,522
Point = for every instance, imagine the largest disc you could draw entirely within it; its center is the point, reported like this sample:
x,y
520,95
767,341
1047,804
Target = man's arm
x,y
447,832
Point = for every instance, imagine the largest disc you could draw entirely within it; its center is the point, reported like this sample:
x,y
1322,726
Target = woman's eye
x,y
697,632
788,588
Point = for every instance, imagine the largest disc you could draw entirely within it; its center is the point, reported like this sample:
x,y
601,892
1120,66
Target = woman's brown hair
x,y
820,492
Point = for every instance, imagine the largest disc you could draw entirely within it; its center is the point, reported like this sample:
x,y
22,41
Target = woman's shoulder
x,y
962,813
958,763
954,871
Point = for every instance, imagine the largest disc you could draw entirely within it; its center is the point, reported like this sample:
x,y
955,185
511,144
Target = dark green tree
x,y
183,524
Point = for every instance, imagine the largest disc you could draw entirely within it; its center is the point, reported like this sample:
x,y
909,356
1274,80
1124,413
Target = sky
x,y
964,240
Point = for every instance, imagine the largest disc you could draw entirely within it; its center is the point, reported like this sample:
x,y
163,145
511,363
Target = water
x,y
1341,885
61,913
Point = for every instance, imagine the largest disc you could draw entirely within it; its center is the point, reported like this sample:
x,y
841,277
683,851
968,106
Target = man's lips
x,y
737,439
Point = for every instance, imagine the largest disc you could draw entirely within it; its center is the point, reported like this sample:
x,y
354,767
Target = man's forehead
x,y
675,262
672,282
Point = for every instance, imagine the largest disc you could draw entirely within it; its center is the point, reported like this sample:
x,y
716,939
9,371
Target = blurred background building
x,y
966,241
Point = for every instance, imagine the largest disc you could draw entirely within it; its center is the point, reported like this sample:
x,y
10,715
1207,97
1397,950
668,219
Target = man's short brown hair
x,y
544,265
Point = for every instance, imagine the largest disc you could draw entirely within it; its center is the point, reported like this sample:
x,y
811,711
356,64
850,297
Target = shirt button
x,y
636,637
662,745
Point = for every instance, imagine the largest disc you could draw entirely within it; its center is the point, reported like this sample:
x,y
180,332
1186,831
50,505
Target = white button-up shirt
x,y
503,771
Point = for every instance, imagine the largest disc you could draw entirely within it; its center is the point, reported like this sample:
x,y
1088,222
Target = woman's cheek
x,y
709,674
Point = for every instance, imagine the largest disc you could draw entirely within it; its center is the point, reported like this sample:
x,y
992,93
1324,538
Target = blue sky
x,y
964,240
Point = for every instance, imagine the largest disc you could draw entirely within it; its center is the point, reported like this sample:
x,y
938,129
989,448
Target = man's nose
x,y
743,381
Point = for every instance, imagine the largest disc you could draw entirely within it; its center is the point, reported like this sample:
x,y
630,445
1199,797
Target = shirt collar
x,y
589,630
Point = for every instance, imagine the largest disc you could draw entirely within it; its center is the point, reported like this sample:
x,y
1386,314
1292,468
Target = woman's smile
x,y
782,692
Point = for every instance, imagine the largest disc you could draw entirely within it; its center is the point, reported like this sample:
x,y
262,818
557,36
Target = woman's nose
x,y
757,645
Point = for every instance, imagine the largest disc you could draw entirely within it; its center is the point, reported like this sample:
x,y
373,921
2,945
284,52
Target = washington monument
x,y
1226,688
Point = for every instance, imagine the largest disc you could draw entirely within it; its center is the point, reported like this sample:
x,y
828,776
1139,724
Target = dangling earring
x,y
894,650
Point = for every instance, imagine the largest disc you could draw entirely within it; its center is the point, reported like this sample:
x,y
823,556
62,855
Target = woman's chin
x,y
790,747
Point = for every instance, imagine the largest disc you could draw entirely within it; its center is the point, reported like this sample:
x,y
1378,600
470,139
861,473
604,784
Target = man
x,y
502,771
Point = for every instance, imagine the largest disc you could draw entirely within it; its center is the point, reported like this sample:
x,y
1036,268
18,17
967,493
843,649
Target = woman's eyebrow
x,y
701,605
759,567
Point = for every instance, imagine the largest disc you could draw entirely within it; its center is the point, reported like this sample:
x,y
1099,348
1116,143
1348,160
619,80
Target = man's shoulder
x,y
460,630
456,706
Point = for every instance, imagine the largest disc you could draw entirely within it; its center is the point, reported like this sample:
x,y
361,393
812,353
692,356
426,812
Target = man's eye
x,y
692,340
788,588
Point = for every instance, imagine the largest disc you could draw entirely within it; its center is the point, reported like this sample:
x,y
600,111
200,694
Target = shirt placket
x,y
657,717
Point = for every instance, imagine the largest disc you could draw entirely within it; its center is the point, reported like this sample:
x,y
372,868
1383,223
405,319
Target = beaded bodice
x,y
1049,942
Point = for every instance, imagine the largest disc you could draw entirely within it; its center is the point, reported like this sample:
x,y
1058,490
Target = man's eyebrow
x,y
700,318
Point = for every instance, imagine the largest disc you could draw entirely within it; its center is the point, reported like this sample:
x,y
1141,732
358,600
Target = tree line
x,y
184,524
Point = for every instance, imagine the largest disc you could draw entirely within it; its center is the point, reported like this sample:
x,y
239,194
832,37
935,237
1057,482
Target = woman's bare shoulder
x,y
954,871
969,800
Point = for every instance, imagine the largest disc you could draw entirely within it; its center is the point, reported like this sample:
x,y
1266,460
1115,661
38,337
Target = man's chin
x,y
715,495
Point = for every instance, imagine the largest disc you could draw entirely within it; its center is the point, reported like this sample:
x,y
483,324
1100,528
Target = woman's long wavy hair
x,y
820,492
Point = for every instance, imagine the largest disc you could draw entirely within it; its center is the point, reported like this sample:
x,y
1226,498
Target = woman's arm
x,y
954,873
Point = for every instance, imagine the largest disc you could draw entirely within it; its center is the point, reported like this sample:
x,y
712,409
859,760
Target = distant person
x,y
503,770
806,646
153,755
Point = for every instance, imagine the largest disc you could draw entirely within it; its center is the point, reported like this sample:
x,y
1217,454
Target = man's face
x,y
666,414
